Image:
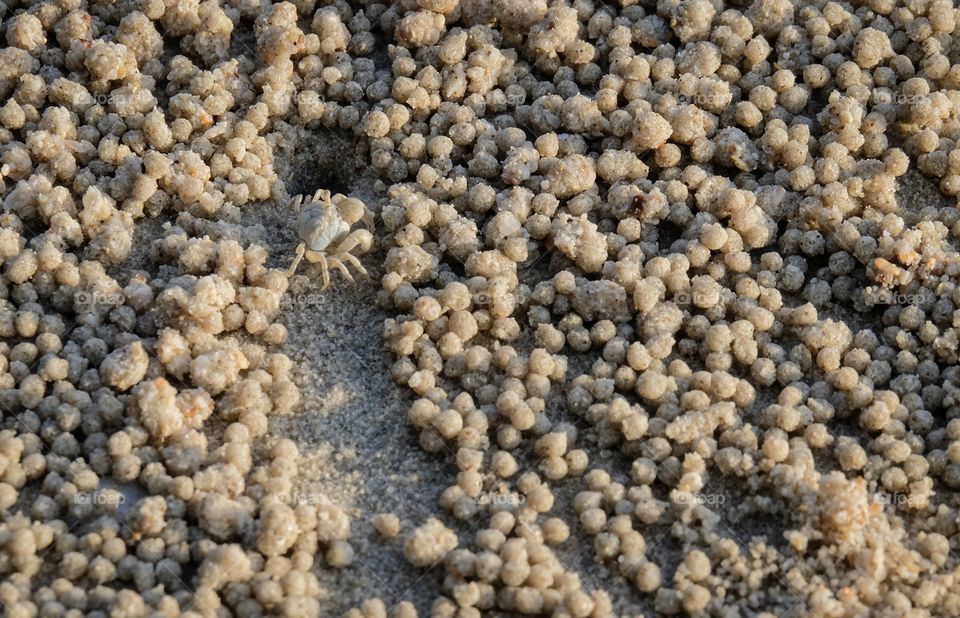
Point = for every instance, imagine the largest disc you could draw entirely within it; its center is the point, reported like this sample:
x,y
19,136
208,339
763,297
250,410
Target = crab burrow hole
x,y
322,158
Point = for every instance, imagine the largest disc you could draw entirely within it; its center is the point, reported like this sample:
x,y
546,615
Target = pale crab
x,y
323,228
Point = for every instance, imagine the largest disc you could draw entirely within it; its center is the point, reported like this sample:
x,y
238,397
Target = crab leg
x,y
342,268
353,260
301,248
316,257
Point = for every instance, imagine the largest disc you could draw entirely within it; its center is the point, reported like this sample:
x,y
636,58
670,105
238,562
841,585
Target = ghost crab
x,y
323,228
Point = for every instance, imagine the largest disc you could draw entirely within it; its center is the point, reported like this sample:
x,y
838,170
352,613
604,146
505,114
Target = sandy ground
x,y
353,434
351,425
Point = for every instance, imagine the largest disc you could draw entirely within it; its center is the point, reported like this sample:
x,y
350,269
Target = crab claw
x,y
353,210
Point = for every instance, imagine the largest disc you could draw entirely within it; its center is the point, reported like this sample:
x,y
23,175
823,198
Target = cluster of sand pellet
x,y
647,255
